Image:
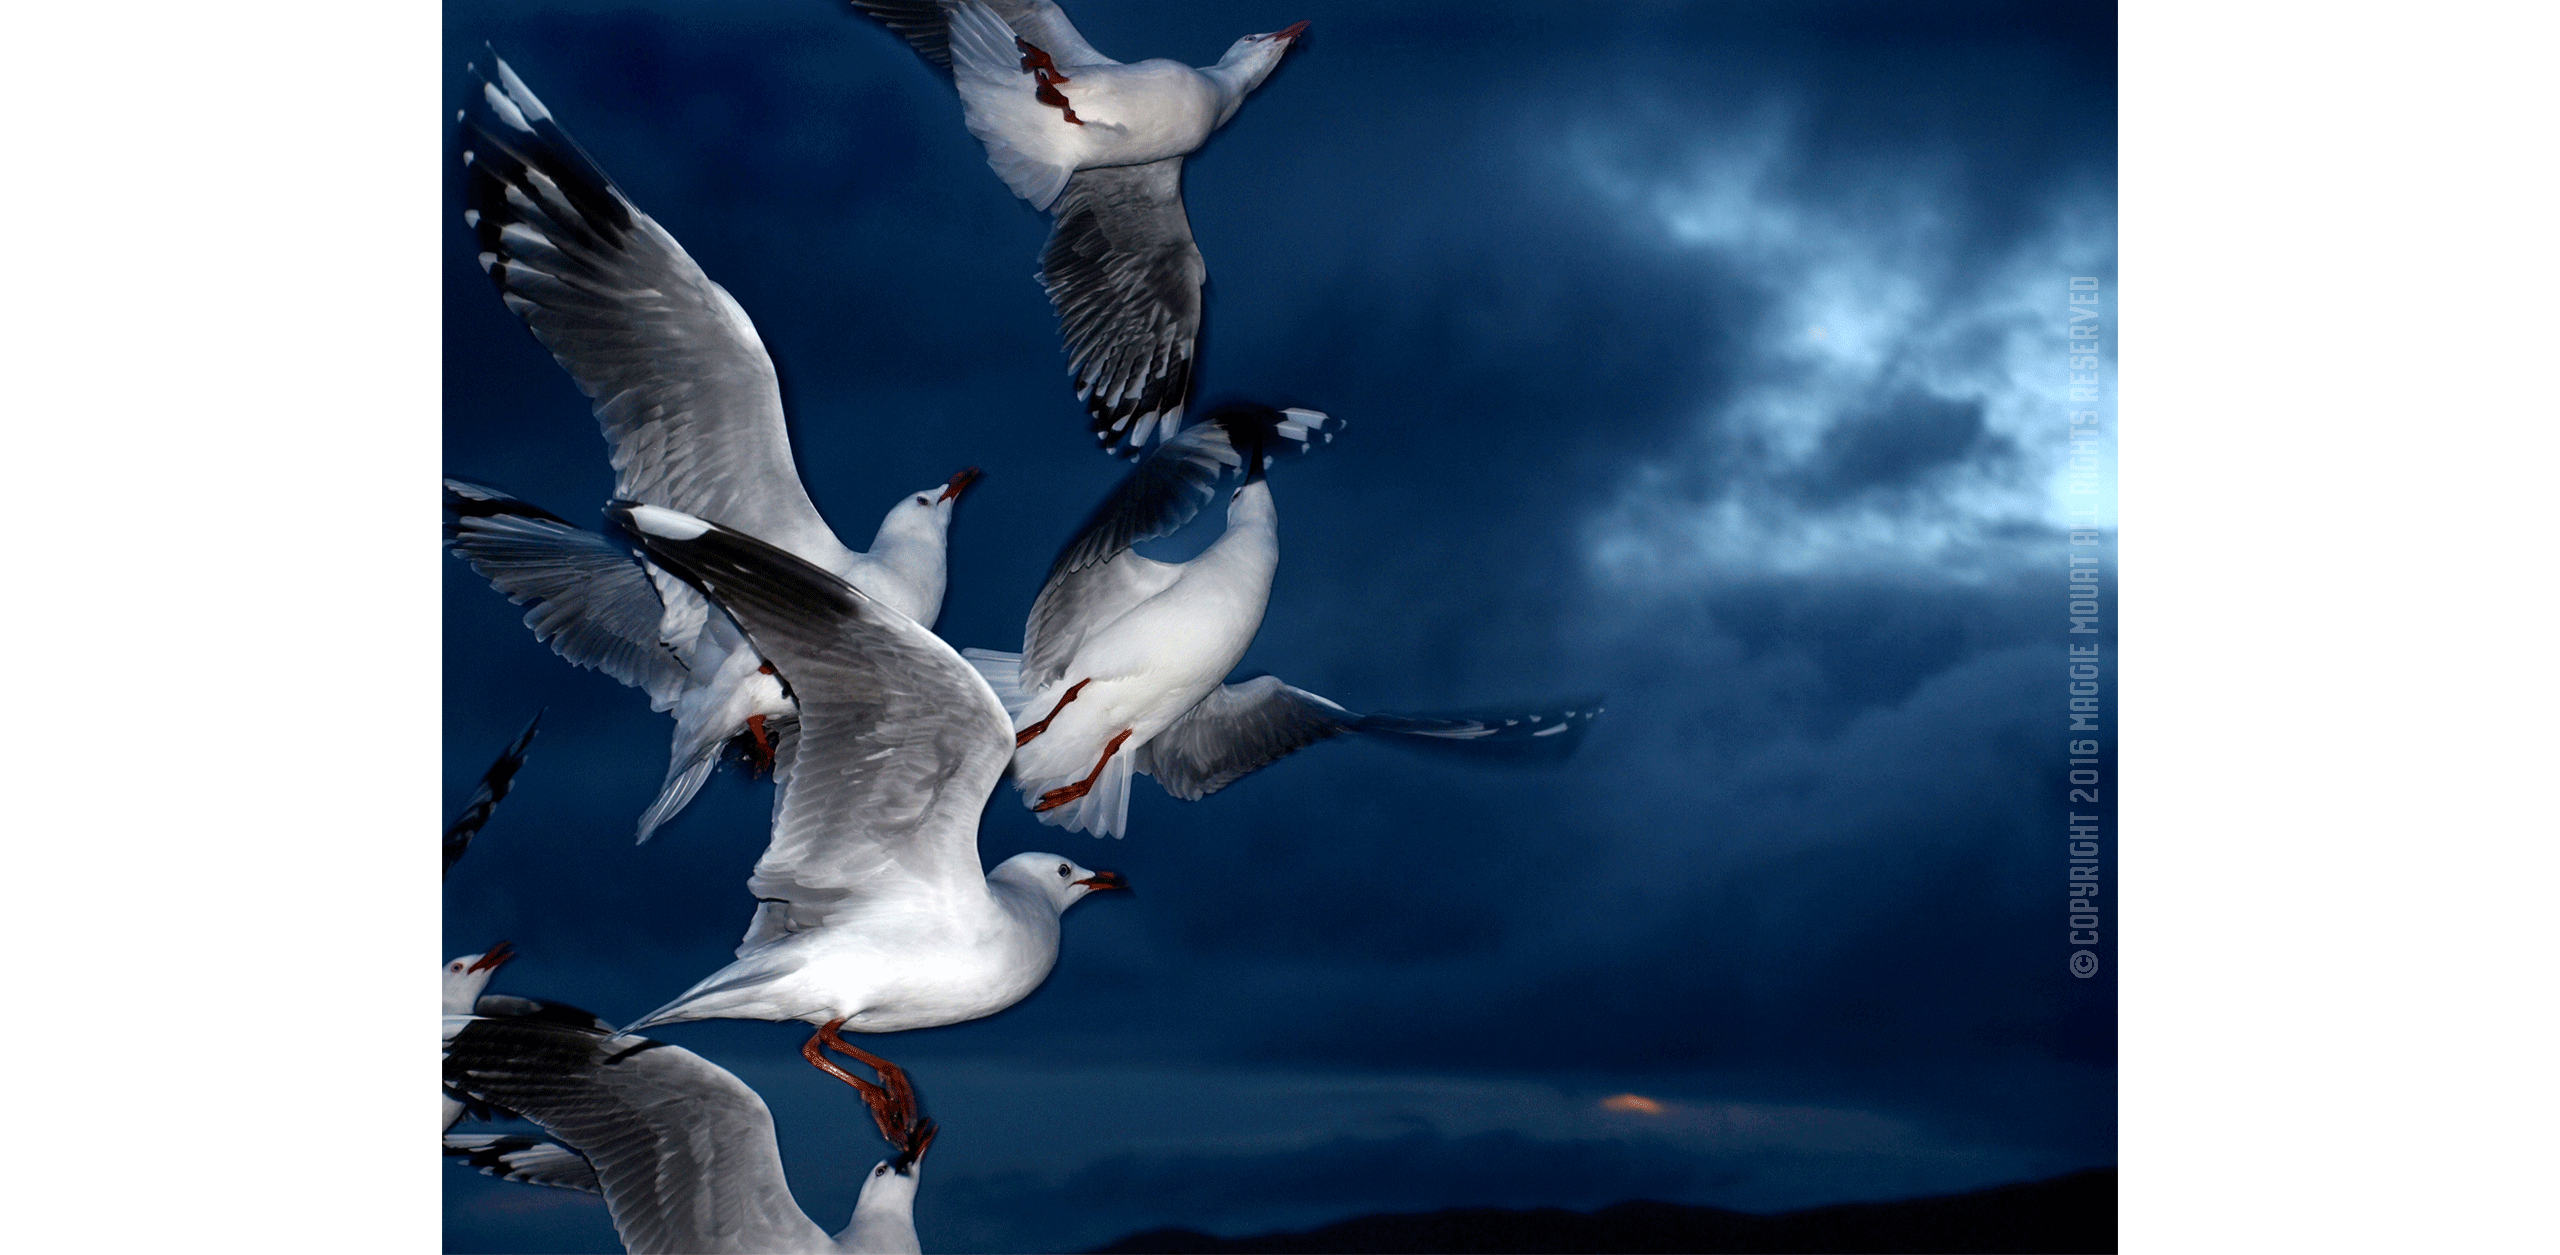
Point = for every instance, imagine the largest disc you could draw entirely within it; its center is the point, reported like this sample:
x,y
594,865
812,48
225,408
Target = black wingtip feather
x,y
1517,734
773,594
495,784
504,157
464,499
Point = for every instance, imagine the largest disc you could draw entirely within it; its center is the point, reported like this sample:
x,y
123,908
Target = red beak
x,y
960,483
497,956
1104,880
1294,31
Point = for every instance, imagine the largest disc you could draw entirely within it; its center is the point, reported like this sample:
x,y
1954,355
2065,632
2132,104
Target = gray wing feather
x,y
512,1007
530,1160
681,383
899,741
925,25
1236,729
1240,728
1124,275
589,598
683,1151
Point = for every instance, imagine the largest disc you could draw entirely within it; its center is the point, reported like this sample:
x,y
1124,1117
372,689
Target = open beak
x,y
1104,880
496,957
960,483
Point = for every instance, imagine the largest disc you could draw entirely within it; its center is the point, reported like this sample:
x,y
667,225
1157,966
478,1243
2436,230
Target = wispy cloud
x,y
1902,398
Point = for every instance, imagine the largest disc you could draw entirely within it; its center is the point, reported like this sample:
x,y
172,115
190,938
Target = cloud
x,y
1902,393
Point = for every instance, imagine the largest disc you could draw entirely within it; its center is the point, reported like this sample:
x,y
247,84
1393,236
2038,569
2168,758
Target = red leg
x,y
896,1108
893,1102
872,1095
764,744
1023,737
1055,798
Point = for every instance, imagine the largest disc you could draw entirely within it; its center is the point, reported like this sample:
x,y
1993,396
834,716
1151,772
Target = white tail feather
x,y
1104,811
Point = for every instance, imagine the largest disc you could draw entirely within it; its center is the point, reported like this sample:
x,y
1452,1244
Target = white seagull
x,y
1124,657
688,402
1099,145
683,1151
873,912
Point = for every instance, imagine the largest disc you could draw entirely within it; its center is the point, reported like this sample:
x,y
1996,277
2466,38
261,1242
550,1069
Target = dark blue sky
x,y
1708,358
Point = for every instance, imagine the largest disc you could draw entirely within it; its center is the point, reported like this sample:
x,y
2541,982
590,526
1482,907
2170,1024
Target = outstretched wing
x,y
926,25
1239,728
899,740
683,1151
1096,579
589,598
495,783
681,383
1124,275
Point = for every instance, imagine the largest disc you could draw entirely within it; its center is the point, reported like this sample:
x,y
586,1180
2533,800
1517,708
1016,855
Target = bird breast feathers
x,y
1154,110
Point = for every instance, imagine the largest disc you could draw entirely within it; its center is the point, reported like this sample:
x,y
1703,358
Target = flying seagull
x,y
511,1156
467,976
691,412
873,912
1098,145
1124,657
683,1151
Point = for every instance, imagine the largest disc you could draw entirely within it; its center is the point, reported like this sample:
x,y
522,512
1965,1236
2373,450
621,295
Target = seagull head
x,y
1056,877
890,1191
465,977
1250,60
925,514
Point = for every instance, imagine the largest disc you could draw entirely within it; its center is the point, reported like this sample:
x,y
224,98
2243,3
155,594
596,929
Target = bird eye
x,y
880,1170
1065,869
922,501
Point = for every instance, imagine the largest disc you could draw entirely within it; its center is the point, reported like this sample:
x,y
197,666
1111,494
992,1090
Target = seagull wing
x,y
1240,728
683,1151
511,1007
899,741
1124,275
926,24
517,1157
1235,730
1096,579
494,786
681,383
1546,733
592,601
